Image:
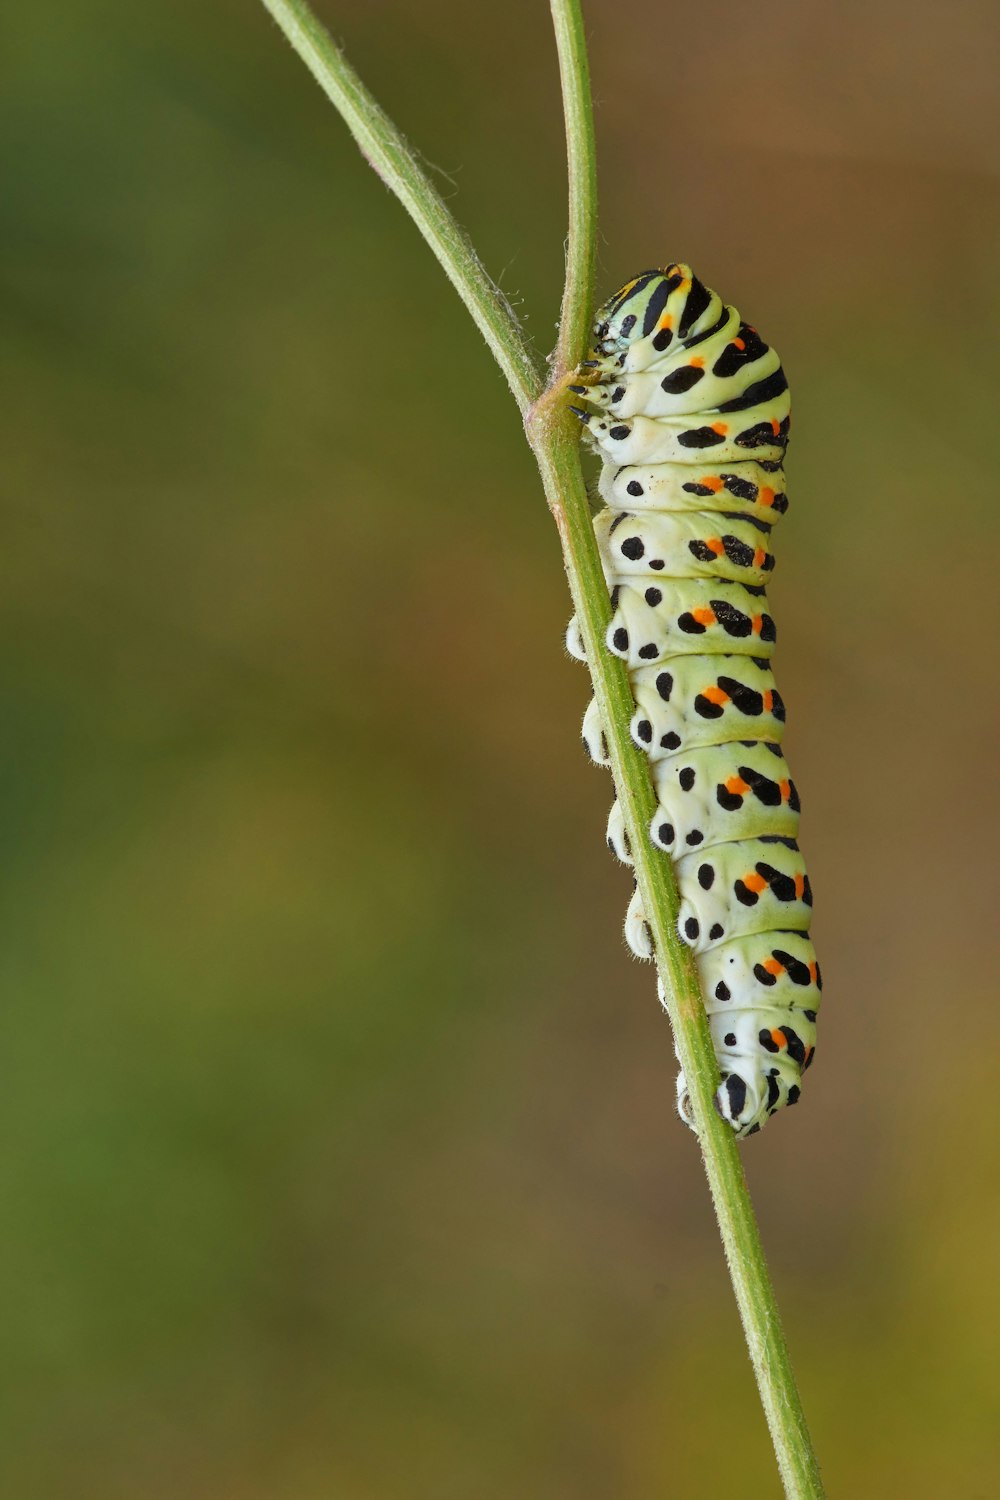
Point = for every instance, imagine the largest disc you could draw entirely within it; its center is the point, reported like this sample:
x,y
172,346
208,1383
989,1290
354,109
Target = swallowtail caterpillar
x,y
689,410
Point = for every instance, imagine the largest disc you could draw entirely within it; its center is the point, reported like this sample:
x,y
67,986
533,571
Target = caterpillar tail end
x,y
745,1121
741,1102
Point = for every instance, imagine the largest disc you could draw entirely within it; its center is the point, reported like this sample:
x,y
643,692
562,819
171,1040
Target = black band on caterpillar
x,y
689,409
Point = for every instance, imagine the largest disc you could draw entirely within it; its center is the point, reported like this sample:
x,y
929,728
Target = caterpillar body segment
x,y
742,489
714,546
664,390
695,615
690,701
689,409
718,793
734,891
658,440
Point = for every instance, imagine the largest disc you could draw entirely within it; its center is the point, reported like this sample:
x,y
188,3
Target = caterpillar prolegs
x,y
689,410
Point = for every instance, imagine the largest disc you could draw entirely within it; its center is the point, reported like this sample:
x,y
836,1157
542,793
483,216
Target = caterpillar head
x,y
639,309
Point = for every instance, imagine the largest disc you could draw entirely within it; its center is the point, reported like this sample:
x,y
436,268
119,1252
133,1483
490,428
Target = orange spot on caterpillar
x,y
739,343
737,787
777,1037
754,882
667,321
697,363
714,544
768,701
704,616
775,426
800,885
758,557
773,966
721,428
812,970
784,788
765,496
758,620
715,695
711,482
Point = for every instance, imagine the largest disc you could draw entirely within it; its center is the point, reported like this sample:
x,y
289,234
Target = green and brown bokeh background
x,y
339,1149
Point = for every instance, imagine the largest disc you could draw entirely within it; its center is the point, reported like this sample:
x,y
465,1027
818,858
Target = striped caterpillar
x,y
691,422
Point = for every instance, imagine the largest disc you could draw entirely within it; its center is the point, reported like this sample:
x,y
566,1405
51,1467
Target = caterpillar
x,y
688,408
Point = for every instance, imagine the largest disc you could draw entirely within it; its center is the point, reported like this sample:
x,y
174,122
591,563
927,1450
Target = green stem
x,y
581,161
554,438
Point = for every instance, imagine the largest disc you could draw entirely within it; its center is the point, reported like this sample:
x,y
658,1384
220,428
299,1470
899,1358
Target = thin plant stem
x,y
581,162
554,437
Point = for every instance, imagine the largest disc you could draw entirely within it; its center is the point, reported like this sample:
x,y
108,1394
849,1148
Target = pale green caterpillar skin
x,y
689,409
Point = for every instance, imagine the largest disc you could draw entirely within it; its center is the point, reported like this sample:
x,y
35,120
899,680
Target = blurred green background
x,y
340,1157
